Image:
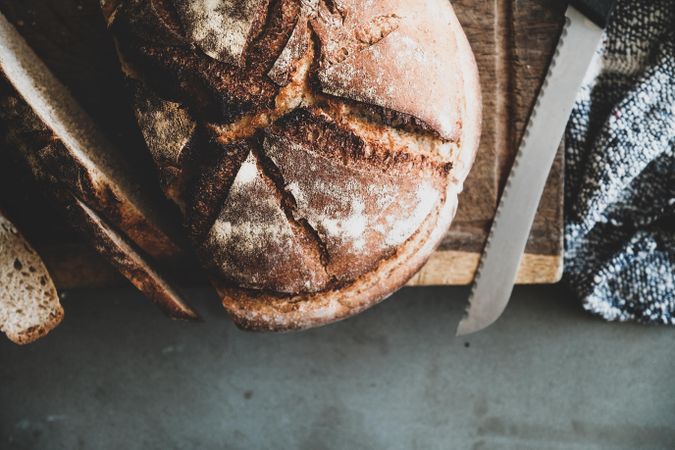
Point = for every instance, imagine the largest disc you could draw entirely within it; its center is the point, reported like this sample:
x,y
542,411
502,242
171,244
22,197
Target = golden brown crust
x,y
79,168
261,311
329,151
73,184
215,175
256,242
396,54
57,166
127,259
363,208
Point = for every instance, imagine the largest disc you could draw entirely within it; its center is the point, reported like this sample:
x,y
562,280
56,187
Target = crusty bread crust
x,y
328,143
70,184
78,168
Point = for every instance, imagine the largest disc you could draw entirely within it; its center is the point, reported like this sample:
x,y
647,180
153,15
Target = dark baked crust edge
x,y
262,313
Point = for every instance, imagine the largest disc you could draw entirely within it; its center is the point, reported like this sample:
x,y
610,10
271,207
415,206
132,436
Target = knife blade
x,y
518,204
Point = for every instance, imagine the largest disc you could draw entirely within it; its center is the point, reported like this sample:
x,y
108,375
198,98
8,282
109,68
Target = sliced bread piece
x,y
29,304
80,170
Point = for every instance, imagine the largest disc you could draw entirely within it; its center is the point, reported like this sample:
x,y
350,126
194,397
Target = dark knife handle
x,y
596,10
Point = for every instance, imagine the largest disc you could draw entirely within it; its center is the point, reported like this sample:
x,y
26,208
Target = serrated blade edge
x,y
518,204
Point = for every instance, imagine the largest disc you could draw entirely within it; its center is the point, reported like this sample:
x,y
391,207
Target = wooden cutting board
x,y
513,41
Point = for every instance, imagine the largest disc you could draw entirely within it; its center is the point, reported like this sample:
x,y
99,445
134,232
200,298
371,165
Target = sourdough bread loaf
x,y
315,147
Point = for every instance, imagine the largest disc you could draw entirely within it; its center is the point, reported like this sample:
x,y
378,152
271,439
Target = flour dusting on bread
x,y
354,114
222,28
254,243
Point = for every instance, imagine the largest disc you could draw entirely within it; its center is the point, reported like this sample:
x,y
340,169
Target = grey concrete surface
x,y
117,375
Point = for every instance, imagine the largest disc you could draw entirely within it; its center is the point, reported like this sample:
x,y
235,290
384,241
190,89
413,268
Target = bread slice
x,y
129,260
80,170
82,158
29,304
325,142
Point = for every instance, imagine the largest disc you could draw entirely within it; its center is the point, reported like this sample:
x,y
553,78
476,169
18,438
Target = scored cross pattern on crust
x,y
313,146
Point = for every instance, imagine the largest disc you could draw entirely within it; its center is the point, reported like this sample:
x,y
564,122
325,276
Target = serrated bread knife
x,y
581,35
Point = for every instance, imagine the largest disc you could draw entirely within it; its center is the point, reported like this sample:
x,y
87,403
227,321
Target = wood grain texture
x,y
512,63
513,41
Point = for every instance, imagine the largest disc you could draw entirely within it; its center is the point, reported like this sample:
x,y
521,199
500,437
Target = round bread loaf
x,y
315,147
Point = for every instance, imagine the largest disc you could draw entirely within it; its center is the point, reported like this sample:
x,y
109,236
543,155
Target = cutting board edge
x,y
458,268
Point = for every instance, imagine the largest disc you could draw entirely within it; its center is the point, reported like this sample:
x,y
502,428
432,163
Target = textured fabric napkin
x,y
620,175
